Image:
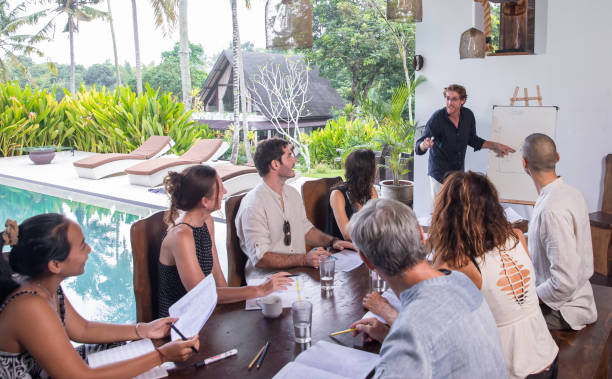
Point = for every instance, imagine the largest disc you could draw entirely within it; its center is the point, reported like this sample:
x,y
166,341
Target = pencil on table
x,y
342,332
256,356
297,285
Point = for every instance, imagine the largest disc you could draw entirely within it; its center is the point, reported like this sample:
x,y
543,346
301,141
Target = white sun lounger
x,y
237,179
100,165
151,173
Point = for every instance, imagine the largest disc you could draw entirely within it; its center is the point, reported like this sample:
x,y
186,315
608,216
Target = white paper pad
x,y
330,360
127,351
512,215
347,260
194,309
393,300
288,296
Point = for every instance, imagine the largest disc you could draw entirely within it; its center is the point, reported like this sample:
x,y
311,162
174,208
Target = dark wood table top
x,y
231,326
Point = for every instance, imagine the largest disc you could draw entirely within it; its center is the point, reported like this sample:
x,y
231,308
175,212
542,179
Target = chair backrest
x,y
316,199
146,236
236,259
606,202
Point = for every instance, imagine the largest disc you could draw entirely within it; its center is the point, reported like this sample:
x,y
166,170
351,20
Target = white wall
x,y
572,65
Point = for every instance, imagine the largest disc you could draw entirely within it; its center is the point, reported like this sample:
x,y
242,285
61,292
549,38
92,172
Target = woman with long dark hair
x,y
470,233
188,252
348,197
37,321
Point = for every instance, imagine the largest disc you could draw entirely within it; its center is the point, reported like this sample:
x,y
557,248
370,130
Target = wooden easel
x,y
526,98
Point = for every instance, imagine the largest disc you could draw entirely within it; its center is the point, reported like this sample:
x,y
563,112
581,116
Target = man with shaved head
x,y
559,240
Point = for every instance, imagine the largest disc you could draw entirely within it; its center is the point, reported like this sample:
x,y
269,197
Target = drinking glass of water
x,y
302,318
377,283
327,268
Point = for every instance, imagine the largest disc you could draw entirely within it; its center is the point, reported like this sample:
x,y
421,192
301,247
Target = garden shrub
x,y
93,120
340,133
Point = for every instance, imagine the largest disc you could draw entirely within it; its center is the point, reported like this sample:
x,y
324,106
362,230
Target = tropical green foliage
x,y
354,49
93,120
340,133
13,41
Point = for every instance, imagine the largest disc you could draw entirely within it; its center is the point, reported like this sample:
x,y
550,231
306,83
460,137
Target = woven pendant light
x,y
474,42
288,24
405,10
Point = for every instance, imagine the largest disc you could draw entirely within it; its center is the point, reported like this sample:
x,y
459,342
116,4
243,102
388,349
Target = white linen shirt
x,y
259,225
562,253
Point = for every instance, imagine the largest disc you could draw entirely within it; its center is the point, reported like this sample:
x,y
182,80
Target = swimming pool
x,y
105,291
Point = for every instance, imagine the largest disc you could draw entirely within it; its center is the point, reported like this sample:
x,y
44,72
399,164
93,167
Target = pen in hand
x,y
182,337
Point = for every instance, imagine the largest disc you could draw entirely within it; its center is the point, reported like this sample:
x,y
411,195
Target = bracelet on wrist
x,y
138,332
331,243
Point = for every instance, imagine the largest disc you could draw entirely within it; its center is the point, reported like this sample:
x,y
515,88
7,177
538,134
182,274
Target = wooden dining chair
x,y
316,200
236,259
146,236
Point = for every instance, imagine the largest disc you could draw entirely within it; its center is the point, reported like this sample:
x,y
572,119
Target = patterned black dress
x,y
170,286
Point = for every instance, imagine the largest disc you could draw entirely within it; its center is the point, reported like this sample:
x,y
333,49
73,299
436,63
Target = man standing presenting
x,y
271,223
445,328
448,133
559,240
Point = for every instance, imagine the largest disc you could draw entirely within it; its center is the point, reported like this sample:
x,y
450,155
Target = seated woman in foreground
x,y
37,321
348,197
470,233
188,252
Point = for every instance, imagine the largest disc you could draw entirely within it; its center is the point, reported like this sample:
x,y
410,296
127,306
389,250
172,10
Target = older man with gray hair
x,y
444,328
559,240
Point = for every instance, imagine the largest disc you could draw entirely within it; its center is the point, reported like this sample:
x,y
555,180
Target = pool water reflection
x,y
105,291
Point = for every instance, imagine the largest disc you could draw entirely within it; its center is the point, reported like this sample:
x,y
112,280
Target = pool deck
x,y
59,178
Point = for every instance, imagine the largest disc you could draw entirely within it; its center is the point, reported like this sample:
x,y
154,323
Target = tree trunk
x,y
245,125
112,28
71,32
236,82
184,55
136,49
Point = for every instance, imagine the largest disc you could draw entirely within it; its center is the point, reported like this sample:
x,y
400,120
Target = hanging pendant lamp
x,y
405,10
475,42
288,24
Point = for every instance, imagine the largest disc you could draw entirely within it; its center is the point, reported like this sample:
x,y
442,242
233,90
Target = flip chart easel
x,y
510,125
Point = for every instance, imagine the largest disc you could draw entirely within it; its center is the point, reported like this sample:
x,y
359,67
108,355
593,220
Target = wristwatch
x,y
330,245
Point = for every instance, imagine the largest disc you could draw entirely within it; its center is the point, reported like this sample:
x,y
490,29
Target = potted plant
x,y
396,137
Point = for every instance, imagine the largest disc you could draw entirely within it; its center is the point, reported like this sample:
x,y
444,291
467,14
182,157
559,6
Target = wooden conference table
x,y
231,326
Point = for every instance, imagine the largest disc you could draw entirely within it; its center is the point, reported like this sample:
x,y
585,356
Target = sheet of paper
x,y
512,215
295,370
288,297
347,260
393,300
194,309
127,351
339,360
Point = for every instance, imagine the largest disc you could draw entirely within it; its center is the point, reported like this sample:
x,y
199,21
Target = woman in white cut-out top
x,y
469,233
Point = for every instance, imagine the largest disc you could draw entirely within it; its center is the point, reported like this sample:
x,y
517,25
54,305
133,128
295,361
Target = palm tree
x,y
184,55
11,43
238,82
81,11
112,28
165,19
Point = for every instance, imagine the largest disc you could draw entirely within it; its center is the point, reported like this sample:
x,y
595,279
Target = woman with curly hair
x,y
470,233
348,197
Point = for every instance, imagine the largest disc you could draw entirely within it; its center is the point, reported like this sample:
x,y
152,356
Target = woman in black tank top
x,y
348,197
188,252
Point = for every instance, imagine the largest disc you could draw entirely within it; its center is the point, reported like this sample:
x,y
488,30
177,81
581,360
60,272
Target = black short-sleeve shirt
x,y
450,143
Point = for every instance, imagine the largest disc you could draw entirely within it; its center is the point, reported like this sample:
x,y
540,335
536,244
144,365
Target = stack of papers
x,y
393,300
194,309
124,352
329,360
288,297
347,260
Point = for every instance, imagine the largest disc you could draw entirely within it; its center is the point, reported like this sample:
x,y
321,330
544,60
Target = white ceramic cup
x,y
271,306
